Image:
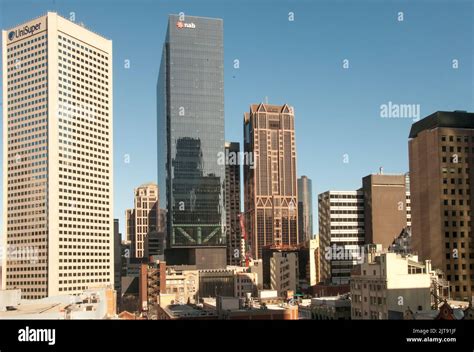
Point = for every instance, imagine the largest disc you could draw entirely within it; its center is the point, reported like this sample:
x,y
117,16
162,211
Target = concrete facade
x,y
441,148
386,286
57,150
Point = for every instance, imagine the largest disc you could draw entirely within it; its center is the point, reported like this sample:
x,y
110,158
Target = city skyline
x,y
449,88
301,160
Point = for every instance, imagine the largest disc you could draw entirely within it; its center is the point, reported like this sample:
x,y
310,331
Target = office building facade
x,y
57,161
386,208
117,258
341,234
270,182
305,209
378,213
143,218
387,285
190,104
235,245
441,150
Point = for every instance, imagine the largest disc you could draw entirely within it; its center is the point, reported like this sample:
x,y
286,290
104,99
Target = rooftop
x,y
285,108
453,119
32,309
187,310
80,24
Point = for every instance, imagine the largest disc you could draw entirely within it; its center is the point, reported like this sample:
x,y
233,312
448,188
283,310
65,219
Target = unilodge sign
x,y
25,31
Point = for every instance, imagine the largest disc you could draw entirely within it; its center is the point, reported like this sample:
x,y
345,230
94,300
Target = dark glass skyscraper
x,y
190,102
305,209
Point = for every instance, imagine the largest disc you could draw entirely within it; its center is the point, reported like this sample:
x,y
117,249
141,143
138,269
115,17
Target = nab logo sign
x,y
181,25
11,35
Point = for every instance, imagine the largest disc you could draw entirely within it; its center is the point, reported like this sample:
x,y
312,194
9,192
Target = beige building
x,y
388,284
270,182
284,272
256,266
143,218
441,148
313,271
183,283
57,157
245,283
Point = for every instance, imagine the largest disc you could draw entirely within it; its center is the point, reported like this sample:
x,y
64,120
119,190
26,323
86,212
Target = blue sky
x,y
298,62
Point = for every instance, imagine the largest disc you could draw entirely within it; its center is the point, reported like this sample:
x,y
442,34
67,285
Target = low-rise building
x,y
185,312
232,308
329,290
183,283
313,274
217,282
388,284
256,266
281,268
304,310
245,283
95,303
331,308
151,283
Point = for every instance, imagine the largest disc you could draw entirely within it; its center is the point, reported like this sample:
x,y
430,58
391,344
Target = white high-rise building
x,y
57,158
341,233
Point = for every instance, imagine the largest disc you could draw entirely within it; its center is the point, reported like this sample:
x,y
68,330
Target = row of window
x,y
452,170
77,121
454,202
456,267
28,97
26,130
66,40
26,70
26,77
103,173
19,62
457,256
28,138
27,86
103,84
29,103
459,139
66,156
78,260
63,77
27,113
346,204
24,43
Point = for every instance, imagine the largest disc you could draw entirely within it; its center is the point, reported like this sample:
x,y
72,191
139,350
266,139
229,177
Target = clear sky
x,y
299,62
